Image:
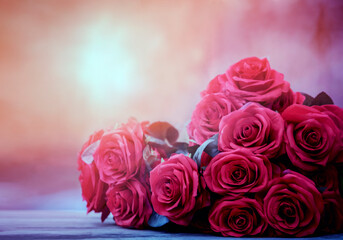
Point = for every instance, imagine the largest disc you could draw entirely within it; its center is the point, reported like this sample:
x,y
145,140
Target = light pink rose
x,y
119,156
175,188
129,203
237,217
93,189
207,115
293,205
238,172
216,85
254,127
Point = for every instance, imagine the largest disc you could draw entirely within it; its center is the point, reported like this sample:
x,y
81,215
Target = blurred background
x,y
68,68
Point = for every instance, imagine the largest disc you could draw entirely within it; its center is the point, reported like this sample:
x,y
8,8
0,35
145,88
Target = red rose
x,y
238,172
207,115
129,204
332,217
326,179
287,99
312,137
205,159
335,113
119,156
175,185
216,85
93,189
254,127
293,205
253,80
237,217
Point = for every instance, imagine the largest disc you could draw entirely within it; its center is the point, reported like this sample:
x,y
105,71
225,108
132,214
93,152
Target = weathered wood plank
x,y
29,224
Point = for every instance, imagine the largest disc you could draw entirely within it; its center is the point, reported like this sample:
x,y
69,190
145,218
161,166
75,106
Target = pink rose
x,y
332,217
207,115
293,205
93,189
253,80
254,127
129,204
237,217
119,156
312,138
216,85
238,172
286,99
175,188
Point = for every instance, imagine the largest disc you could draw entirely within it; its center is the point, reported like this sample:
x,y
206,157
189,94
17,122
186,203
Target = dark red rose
x,y
129,203
326,179
207,115
287,99
312,137
254,127
175,189
93,189
119,156
205,159
237,217
238,172
332,217
293,205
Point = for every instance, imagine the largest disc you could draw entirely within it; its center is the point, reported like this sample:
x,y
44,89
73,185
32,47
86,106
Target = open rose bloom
x,y
262,160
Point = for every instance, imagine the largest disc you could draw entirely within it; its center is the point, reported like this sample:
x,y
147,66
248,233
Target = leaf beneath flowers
x,y
308,99
210,146
157,220
163,131
322,99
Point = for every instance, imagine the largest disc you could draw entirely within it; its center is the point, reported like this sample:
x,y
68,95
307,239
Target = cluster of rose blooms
x,y
262,160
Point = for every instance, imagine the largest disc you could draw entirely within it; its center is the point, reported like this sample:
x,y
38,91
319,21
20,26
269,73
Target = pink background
x,y
68,68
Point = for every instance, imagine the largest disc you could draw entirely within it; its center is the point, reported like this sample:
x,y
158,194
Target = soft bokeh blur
x,y
68,68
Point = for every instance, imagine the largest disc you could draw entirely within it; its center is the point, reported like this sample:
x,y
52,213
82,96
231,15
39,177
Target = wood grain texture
x,y
77,225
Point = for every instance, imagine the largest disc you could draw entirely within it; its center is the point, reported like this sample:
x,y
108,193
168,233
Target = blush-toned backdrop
x,y
68,68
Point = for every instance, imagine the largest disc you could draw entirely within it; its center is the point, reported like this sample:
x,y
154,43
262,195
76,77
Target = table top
x,y
39,224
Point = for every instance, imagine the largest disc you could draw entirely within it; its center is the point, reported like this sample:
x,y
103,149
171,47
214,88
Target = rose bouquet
x,y
261,160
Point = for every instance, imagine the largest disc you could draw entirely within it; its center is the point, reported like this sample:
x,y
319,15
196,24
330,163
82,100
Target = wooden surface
x,y
77,225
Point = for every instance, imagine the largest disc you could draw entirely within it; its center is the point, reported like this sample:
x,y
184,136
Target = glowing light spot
x,y
106,66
